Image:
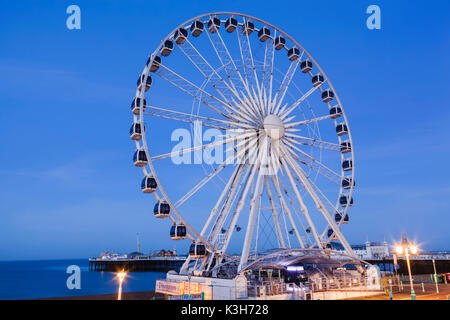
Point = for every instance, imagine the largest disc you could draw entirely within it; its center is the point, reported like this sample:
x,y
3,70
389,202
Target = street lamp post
x,y
121,277
435,277
407,249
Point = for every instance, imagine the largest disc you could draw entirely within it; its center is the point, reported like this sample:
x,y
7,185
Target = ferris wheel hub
x,y
274,127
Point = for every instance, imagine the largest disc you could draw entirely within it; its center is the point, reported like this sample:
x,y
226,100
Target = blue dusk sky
x,y
68,188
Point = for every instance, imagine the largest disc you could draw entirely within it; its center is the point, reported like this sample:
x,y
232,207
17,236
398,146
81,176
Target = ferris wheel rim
x,y
141,94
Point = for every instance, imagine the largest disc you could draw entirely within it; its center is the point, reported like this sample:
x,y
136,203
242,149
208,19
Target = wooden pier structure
x,y
162,264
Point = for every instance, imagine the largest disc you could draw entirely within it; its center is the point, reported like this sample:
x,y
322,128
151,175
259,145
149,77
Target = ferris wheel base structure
x,y
282,275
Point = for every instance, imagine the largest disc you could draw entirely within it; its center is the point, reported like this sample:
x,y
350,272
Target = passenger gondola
x,y
231,24
213,24
135,131
337,217
148,184
347,165
197,250
140,158
348,182
341,129
293,53
280,42
155,64
197,28
306,66
248,27
148,82
331,235
335,112
166,48
346,219
327,95
317,80
346,147
162,209
180,35
136,105
178,231
346,200
263,34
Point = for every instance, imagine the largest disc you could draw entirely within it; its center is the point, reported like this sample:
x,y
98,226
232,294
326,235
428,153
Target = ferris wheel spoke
x,y
313,142
276,183
204,181
281,92
284,114
206,98
234,76
257,192
231,183
211,75
204,146
303,207
247,57
313,163
269,56
274,215
191,118
300,173
300,123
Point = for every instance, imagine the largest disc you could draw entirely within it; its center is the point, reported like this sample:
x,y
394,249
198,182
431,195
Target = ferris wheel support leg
x,y
275,215
251,221
288,211
300,173
303,208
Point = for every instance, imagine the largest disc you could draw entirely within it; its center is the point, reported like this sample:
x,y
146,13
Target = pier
x,y
162,264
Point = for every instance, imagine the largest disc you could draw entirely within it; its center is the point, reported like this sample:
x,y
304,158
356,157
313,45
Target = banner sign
x,y
199,296
167,287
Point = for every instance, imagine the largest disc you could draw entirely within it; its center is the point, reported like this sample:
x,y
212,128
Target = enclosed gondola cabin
x,y
347,165
248,27
317,80
346,219
337,217
197,250
331,235
155,63
178,231
180,35
306,66
213,24
341,129
136,131
161,210
148,184
231,24
327,95
140,158
308,230
348,182
148,82
166,48
280,42
293,53
136,105
263,34
346,200
335,112
197,28
346,147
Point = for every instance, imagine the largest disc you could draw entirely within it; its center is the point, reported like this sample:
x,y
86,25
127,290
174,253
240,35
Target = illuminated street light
x,y
407,249
121,277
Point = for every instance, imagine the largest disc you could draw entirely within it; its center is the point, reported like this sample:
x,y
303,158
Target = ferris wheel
x,y
285,174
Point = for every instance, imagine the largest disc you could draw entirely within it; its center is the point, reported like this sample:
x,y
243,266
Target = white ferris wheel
x,y
286,175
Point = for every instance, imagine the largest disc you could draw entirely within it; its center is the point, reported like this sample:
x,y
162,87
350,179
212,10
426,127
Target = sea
x,y
48,278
